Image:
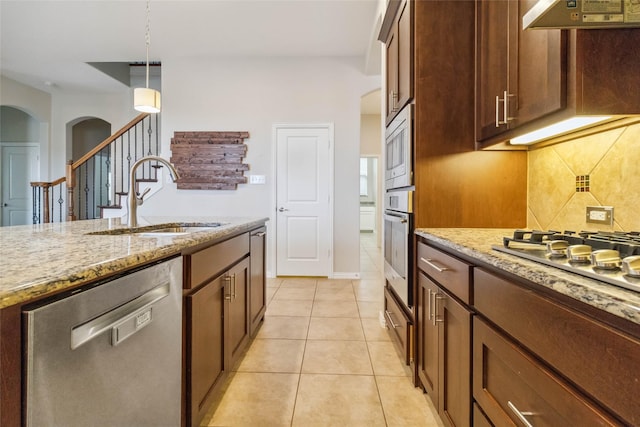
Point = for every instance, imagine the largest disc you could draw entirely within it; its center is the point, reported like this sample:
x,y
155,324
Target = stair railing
x,y
99,179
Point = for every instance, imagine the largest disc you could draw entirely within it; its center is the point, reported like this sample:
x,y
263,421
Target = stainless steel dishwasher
x,y
109,354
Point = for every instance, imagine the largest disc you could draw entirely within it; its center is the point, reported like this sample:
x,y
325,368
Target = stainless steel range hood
x,y
565,14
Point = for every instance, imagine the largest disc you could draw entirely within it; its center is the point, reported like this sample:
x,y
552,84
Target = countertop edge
x,y
36,288
617,301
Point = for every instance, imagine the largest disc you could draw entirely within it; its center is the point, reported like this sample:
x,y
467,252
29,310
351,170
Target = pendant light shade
x,y
146,100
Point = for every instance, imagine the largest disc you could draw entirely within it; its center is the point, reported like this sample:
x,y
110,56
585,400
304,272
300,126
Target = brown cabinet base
x,y
510,385
399,325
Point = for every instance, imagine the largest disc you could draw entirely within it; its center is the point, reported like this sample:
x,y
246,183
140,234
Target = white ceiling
x,y
52,40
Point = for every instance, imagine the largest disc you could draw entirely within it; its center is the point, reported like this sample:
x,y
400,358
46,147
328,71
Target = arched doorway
x,y
95,180
20,136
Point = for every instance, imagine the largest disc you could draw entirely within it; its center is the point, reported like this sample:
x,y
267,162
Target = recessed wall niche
x,y
209,160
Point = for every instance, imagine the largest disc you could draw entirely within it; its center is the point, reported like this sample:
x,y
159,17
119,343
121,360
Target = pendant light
x,y
145,99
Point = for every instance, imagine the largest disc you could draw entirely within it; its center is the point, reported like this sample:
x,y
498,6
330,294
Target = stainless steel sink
x,y
171,229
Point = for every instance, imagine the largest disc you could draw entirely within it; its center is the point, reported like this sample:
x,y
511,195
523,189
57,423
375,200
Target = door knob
x,y
282,209
5,205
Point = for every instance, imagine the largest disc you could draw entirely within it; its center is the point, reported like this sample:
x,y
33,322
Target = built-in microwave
x,y
399,157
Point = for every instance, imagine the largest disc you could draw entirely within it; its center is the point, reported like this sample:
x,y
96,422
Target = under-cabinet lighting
x,y
559,128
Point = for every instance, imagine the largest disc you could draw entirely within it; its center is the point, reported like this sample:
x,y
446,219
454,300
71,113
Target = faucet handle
x,y
140,197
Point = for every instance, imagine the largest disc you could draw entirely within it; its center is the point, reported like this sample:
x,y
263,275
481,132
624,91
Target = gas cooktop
x,y
611,257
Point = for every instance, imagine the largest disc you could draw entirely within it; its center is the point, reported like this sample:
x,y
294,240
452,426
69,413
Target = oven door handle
x,y
396,218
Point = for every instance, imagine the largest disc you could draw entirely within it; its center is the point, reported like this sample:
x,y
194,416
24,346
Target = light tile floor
x,y
321,358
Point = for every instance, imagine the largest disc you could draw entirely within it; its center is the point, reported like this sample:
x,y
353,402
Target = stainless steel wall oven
x,y
398,205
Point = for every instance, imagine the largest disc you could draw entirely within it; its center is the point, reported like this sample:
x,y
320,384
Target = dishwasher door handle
x,y
123,321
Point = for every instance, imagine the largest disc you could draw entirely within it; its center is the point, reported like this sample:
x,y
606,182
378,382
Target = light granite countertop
x,y
476,243
40,260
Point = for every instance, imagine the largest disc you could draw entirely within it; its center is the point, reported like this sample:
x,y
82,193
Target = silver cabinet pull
x,y
227,287
437,297
431,264
434,309
233,279
259,234
505,109
429,310
521,415
394,100
393,325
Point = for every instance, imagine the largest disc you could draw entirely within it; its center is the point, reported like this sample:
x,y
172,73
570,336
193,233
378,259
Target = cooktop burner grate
x,y
611,257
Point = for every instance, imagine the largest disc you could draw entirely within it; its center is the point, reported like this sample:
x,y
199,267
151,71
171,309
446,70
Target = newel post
x,y
71,183
45,195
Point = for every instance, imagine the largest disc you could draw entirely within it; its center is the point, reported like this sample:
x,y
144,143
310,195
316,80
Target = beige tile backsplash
x,y
612,161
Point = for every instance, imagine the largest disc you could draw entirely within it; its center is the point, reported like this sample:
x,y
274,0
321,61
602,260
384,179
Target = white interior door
x,y
303,190
20,166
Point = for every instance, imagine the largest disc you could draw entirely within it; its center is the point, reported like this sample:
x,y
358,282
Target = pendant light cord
x,y
147,37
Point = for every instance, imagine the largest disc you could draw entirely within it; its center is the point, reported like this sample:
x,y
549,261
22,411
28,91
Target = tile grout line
x,y
304,352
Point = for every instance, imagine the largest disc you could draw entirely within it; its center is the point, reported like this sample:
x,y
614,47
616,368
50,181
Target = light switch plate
x,y
257,179
600,215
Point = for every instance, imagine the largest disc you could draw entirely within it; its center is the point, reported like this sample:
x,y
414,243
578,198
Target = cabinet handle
x,y
505,109
520,415
259,234
233,279
434,309
393,325
429,312
430,263
437,296
227,286
394,101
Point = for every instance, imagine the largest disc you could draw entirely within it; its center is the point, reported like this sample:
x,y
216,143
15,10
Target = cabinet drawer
x,y
600,360
449,272
208,262
479,419
399,326
509,384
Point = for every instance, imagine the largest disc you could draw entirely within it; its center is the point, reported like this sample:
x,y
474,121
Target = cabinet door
x,y
511,386
392,74
399,64
540,84
257,294
427,351
207,363
238,304
404,35
492,64
520,75
454,342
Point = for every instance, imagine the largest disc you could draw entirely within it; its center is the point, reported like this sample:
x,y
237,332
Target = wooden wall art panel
x,y
209,160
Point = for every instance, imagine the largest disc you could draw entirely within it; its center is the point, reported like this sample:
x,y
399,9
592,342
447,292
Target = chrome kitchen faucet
x,y
136,199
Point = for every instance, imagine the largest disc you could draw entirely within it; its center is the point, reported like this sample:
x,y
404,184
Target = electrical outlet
x,y
600,215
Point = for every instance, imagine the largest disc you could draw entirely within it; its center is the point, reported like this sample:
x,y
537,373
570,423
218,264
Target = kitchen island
x,y
38,262
539,344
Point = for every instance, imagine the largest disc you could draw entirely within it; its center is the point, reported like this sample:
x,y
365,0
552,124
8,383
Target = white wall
x,y
242,94
115,108
37,104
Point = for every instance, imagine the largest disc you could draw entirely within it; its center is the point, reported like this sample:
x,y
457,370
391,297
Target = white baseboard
x,y
345,275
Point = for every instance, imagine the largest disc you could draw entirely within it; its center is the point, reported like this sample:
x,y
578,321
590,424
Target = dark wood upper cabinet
x,y
520,75
529,79
399,58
